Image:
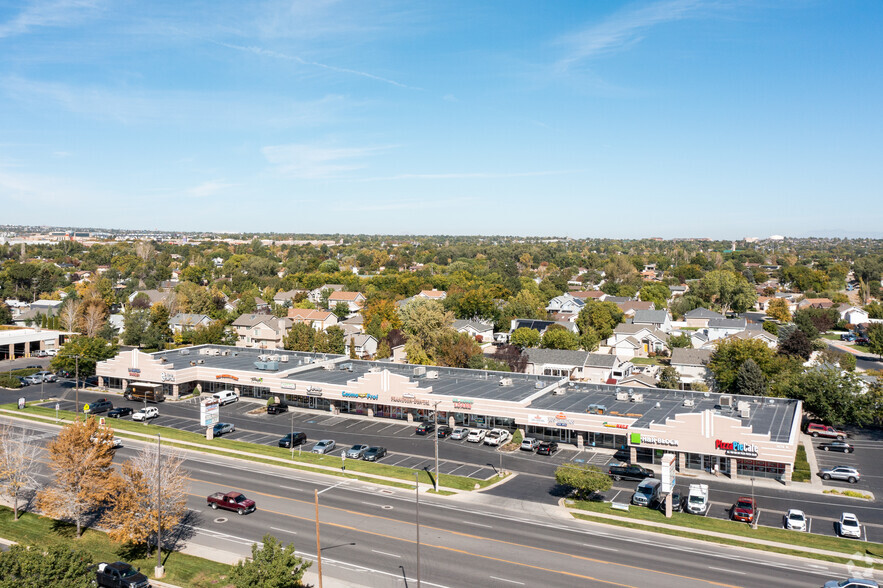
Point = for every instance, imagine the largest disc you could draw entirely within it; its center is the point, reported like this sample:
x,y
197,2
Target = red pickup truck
x,y
231,501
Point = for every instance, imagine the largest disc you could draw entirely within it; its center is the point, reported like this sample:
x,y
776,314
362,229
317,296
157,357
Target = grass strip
x,y
688,521
217,446
802,472
181,569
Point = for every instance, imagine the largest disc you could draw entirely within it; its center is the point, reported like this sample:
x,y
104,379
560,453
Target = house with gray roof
x,y
718,328
691,365
481,332
565,305
541,326
315,295
631,340
699,317
287,298
261,331
659,319
576,365
184,321
365,345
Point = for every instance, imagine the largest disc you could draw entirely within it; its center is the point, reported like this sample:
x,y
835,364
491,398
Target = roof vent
x,y
637,398
432,375
505,381
185,352
418,371
658,405
559,391
622,396
283,359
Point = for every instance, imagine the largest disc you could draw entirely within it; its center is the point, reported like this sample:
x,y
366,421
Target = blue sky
x,y
633,119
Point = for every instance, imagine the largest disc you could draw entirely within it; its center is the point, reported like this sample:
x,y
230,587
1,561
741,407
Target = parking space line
x,y
352,424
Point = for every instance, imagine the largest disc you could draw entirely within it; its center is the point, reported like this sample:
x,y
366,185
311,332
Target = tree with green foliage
x,y
525,337
728,290
90,350
331,340
874,310
814,321
771,327
271,565
796,344
669,378
601,317
584,479
729,356
749,379
456,349
135,323
656,293
681,341
875,338
54,565
5,314
341,310
424,321
301,337
778,309
836,397
559,338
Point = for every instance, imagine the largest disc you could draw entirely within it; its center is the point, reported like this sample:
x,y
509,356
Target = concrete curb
x,y
865,558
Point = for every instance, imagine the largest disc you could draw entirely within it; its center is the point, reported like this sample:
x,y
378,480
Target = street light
x,y
77,382
417,494
753,518
435,417
158,572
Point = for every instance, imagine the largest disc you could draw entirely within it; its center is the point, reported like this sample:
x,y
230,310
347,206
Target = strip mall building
x,y
739,436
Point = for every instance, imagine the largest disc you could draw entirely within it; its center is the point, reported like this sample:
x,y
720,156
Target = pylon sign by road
x,y
209,412
669,473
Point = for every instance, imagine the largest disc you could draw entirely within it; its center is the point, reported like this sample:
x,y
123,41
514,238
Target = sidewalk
x,y
865,559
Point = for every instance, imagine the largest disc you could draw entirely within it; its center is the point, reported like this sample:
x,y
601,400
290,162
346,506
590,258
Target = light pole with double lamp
x,y
435,417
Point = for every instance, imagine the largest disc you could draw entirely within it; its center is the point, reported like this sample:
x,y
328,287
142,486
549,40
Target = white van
x,y
225,397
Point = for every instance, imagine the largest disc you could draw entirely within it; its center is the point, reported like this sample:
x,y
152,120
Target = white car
x,y
323,446
460,432
115,442
496,437
849,526
530,444
795,520
144,414
476,435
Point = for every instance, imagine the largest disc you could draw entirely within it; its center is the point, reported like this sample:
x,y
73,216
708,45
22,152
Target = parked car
x,y
547,447
848,526
627,471
323,446
64,374
222,429
39,353
235,501
144,414
677,502
460,433
697,499
374,453
744,510
33,367
114,442
425,427
119,412
444,432
47,376
852,583
293,439
847,337
795,520
842,446
476,435
496,437
646,493
23,382
277,408
225,397
98,406
52,352
861,340
820,430
530,444
119,575
845,473
357,451
34,379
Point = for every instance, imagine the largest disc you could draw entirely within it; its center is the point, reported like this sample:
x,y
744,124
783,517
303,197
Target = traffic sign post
x,y
343,461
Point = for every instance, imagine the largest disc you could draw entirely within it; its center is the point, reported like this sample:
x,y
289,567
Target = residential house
x,y
540,326
261,305
631,340
853,315
641,380
691,365
586,295
433,294
186,321
758,334
315,295
699,317
354,300
153,296
577,365
365,345
718,328
602,368
815,303
318,319
617,299
481,332
354,323
261,331
287,298
659,319
630,307
565,305
678,290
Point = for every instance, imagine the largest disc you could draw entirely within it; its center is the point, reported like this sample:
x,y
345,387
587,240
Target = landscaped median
x,y
378,473
820,547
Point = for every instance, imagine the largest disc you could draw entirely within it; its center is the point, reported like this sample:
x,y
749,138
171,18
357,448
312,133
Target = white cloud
x,y
312,162
57,13
622,30
209,188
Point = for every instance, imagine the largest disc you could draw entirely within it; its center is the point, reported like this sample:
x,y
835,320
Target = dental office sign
x,y
735,448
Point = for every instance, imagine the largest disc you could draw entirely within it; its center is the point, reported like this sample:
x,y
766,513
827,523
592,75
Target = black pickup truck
x,y
629,472
120,575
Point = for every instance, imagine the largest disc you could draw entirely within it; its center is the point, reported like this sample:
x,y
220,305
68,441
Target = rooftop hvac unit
x,y
225,352
283,358
689,402
742,405
419,371
559,392
432,375
185,352
539,385
201,361
328,367
745,412
374,370
262,358
622,396
726,400
344,367
505,381
637,398
213,352
267,366
596,409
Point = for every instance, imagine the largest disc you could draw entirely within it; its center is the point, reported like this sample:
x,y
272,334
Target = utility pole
x,y
158,572
77,382
435,416
753,518
417,494
318,542
291,439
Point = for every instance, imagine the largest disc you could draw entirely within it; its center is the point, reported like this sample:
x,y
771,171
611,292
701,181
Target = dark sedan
x,y
374,453
119,412
425,427
547,447
296,438
222,429
444,432
841,446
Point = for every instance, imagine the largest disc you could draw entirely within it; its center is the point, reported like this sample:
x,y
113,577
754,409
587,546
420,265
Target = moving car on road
x,y
820,430
848,526
323,446
547,447
852,583
476,435
233,500
119,412
374,453
145,414
795,520
293,439
845,473
357,451
744,510
460,433
841,446
222,429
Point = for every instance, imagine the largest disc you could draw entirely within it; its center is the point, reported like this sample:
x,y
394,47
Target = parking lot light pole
x,y
77,383
435,416
291,439
417,517
753,518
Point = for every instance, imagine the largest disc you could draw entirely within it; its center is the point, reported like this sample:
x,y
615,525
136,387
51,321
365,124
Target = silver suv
x,y
845,473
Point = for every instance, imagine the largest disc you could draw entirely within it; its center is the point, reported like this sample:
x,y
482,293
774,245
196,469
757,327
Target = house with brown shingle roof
x,y
354,300
318,319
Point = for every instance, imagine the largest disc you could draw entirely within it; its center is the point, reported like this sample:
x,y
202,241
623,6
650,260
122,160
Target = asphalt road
x,y
369,536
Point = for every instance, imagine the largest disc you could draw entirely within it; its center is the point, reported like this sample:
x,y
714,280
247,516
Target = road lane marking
x,y
284,530
505,580
476,524
385,553
600,547
726,570
320,491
